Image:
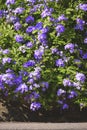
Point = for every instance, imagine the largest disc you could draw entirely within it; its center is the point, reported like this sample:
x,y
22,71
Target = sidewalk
x,y
42,126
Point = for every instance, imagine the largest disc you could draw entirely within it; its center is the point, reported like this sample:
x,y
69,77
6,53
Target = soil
x,y
14,111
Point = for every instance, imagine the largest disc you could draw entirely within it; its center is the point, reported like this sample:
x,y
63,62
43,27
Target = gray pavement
x,y
42,126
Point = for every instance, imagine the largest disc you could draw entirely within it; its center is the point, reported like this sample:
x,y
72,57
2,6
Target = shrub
x,y
43,52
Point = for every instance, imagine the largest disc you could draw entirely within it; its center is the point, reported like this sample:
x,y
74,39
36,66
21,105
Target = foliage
x,y
43,52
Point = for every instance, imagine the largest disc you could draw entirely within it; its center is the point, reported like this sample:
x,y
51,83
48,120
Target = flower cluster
x,y
43,52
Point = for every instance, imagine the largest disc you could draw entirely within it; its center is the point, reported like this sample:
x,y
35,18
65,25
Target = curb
x,y
42,126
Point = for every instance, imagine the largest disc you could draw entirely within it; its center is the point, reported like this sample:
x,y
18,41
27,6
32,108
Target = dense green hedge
x,y
43,52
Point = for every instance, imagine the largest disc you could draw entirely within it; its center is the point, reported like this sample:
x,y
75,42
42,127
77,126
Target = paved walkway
x,y
43,126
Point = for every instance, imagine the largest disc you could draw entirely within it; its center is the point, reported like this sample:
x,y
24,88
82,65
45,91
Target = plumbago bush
x,y
43,52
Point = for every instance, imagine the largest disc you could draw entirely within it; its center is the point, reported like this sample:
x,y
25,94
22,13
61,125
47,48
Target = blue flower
x,y
6,51
80,77
8,2
8,78
62,18
45,30
30,29
19,10
18,80
1,83
70,47
17,26
29,44
42,37
65,106
6,60
85,40
19,38
12,19
38,54
83,7
84,56
34,95
1,86
23,73
36,85
80,24
30,81
46,12
60,29
32,1
9,71
60,63
72,94
54,50
67,82
29,63
35,106
29,19
35,74
61,92
1,13
77,85
22,88
39,26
